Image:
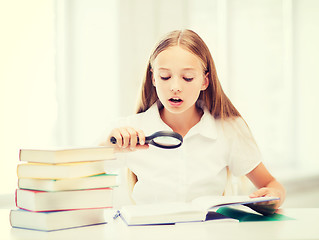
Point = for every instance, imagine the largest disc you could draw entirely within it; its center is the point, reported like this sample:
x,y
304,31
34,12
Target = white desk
x,y
306,226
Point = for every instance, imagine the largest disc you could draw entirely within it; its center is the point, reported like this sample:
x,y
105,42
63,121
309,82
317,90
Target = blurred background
x,y
69,67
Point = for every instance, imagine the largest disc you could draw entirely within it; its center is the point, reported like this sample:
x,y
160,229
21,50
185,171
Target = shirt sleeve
x,y
244,153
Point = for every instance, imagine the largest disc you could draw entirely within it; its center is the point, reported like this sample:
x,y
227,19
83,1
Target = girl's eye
x,y
188,79
165,78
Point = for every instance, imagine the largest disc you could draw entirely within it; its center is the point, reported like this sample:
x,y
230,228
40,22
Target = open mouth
x,y
175,100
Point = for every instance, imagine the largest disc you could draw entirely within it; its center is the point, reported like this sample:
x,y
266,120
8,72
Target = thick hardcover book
x,y
60,171
57,220
66,155
39,201
52,185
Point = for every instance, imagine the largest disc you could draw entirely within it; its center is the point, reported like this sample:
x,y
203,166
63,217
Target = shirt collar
x,y
205,127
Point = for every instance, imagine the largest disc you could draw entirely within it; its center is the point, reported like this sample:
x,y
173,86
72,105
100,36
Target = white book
x,y
60,171
66,155
39,201
52,185
57,220
178,212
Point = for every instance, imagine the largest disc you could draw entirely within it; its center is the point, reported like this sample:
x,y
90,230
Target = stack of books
x,y
65,188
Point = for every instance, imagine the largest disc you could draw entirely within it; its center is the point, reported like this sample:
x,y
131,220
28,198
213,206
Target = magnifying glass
x,y
161,139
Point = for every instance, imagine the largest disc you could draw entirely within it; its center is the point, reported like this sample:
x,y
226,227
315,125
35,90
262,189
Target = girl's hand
x,y
268,187
126,139
269,207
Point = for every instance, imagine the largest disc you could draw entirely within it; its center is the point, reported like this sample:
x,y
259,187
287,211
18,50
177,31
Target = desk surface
x,y
306,226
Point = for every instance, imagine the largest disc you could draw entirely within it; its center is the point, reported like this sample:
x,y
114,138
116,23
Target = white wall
x,y
27,82
68,67
258,85
306,72
87,79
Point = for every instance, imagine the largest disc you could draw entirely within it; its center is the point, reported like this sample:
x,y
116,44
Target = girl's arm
x,y
267,185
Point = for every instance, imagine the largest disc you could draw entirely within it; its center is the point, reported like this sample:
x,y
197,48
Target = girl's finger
x,y
259,193
126,137
133,137
141,136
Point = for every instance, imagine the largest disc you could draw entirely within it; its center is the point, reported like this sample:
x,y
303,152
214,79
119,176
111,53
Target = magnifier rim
x,y
166,134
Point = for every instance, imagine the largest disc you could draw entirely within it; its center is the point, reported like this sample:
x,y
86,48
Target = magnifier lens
x,y
166,141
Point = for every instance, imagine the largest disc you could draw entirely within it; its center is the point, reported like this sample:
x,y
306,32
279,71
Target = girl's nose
x,y
176,85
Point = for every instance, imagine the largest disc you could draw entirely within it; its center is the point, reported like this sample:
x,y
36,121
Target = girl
x,y
181,92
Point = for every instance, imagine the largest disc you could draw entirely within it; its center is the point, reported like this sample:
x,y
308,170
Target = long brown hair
x,y
213,97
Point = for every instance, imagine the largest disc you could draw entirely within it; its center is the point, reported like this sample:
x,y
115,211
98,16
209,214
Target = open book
x,y
170,213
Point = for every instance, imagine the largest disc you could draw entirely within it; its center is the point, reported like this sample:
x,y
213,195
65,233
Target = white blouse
x,y
198,167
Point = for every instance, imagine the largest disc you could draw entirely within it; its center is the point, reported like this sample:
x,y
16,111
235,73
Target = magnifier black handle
x,y
113,140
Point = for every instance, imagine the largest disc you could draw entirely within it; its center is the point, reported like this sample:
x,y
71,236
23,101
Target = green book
x,y
245,216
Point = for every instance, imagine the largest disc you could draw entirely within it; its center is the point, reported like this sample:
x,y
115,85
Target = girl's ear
x,y
152,76
205,82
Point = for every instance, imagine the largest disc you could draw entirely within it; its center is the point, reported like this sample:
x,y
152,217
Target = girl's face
x,y
179,78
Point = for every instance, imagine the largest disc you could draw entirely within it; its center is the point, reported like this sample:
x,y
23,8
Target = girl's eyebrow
x,y
189,69
166,69
184,69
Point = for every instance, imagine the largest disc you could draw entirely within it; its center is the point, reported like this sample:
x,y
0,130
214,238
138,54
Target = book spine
x,y
10,218
15,197
59,210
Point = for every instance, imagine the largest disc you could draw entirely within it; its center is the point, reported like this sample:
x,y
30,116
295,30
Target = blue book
x,y
56,220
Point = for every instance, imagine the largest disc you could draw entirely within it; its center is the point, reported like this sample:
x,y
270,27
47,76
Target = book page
x,y
159,209
207,202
